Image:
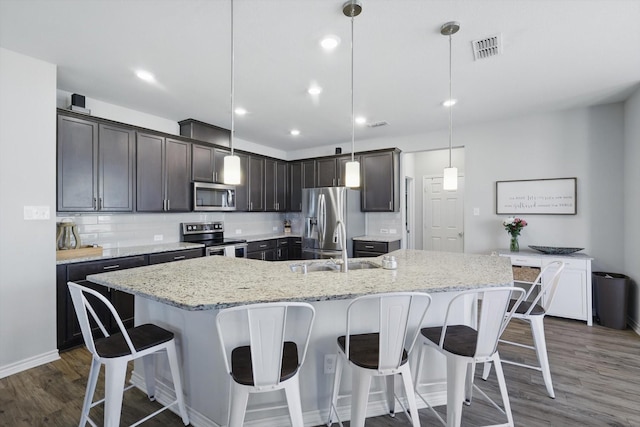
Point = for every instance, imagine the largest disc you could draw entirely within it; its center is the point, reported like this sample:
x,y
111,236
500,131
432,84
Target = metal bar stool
x,y
264,346
380,348
115,351
464,346
534,312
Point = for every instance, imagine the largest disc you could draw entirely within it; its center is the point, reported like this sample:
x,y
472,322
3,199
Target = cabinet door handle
x,y
263,246
300,205
250,206
279,253
338,182
263,257
110,267
389,204
176,258
215,176
368,247
100,203
94,205
168,204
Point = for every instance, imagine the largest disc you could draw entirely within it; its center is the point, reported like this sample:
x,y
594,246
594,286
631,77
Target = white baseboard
x,y
29,363
633,325
165,395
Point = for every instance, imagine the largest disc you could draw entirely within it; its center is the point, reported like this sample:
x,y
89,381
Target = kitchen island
x,y
186,296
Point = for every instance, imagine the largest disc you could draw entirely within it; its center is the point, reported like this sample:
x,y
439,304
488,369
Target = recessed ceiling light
x,y
330,42
450,102
146,76
240,111
314,90
294,132
361,120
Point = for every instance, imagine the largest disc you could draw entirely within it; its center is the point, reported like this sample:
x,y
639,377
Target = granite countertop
x,y
218,282
275,235
532,253
134,250
387,238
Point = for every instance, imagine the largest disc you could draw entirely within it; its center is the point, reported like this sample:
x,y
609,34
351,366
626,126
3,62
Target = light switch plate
x,y
384,231
37,213
476,211
158,238
238,231
392,231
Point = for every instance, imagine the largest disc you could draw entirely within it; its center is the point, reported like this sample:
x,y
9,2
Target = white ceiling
x,y
557,54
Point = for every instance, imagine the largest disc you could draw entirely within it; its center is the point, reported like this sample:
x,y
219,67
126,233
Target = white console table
x,y
573,296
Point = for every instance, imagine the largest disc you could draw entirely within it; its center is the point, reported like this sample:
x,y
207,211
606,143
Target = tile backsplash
x,y
125,230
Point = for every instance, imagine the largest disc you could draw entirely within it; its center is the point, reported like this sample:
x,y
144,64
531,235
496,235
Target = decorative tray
x,y
552,250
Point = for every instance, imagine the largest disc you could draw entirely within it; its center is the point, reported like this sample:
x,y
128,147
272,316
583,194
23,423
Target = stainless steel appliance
x,y
213,197
211,235
323,209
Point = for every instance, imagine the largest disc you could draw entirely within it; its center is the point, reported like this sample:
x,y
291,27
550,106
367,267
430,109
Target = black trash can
x,y
611,295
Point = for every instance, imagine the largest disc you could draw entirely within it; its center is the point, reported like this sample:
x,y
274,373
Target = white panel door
x,y
442,216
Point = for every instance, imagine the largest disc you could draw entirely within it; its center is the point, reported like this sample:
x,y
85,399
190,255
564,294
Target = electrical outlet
x,y
384,231
158,238
275,228
476,211
392,231
330,363
238,231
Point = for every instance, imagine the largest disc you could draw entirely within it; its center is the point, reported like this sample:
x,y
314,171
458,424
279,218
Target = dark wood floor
x,y
596,373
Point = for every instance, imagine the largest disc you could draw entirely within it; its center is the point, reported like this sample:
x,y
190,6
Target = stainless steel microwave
x,y
213,197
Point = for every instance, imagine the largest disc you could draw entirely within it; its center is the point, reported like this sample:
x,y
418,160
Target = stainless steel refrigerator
x,y
322,208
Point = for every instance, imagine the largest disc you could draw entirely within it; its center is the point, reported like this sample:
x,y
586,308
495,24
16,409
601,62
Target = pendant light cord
x,y
353,123
233,127
450,106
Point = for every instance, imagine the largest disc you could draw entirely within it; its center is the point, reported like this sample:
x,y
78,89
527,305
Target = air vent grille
x,y
487,47
378,124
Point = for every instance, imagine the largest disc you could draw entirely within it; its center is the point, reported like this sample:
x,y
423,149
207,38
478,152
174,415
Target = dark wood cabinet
x,y
330,172
265,250
172,256
380,181
163,174
275,183
95,166
256,183
68,329
242,189
301,175
202,163
282,249
367,248
295,248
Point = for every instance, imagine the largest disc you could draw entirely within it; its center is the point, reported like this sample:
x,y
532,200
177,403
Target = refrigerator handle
x,y
322,218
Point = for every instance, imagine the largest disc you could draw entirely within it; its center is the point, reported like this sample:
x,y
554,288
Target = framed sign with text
x,y
537,196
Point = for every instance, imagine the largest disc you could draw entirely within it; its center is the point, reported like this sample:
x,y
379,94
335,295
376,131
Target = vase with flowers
x,y
513,227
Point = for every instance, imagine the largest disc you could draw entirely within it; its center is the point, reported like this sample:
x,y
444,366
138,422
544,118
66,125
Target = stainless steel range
x,y
211,235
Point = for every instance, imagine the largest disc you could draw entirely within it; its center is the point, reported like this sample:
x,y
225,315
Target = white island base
x,y
206,384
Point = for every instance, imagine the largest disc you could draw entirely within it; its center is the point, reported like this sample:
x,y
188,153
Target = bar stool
x,y
533,312
263,347
115,351
464,346
386,333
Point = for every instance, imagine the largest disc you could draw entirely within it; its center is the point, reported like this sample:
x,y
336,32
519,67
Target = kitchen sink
x,y
329,266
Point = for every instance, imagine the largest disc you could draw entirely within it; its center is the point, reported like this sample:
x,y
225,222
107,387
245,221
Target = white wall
x,y
632,203
27,178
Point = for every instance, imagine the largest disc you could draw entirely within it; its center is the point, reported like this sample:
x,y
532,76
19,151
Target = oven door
x,y
238,250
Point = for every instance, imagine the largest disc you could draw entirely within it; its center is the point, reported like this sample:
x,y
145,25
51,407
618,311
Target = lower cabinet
x,y
282,249
572,299
370,248
68,329
171,256
295,248
264,250
69,334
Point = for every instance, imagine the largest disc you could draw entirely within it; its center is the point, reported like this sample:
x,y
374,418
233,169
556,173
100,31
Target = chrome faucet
x,y
342,236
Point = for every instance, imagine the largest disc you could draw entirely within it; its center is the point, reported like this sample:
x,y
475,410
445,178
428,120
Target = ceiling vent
x,y
487,47
377,124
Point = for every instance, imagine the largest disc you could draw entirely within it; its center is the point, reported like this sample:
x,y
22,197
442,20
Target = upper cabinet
x,y
330,172
380,186
301,175
256,183
242,190
207,163
275,183
95,166
163,174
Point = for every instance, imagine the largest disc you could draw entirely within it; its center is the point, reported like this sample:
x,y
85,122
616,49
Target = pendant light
x,y
450,181
232,162
351,9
